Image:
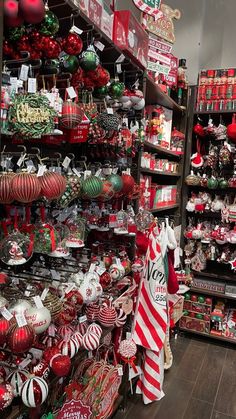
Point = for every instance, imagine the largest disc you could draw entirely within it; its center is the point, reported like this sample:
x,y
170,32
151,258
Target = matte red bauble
x,y
231,129
52,48
33,11
71,115
53,185
128,184
61,365
199,130
72,44
6,196
4,329
7,48
20,339
6,395
23,44
26,187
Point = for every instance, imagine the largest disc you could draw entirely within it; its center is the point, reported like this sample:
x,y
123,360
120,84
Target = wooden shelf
x,y
162,151
222,338
212,293
159,173
217,276
166,208
156,96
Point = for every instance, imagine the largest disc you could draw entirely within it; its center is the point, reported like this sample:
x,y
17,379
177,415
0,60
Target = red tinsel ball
x,y
128,183
72,44
33,11
23,44
61,365
103,76
51,48
50,352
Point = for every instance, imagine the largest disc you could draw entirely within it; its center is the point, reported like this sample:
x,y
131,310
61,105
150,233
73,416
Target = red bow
x,y
130,361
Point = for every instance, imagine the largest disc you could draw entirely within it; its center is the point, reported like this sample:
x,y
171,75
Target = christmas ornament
x,y
67,315
212,183
128,183
107,191
70,63
25,187
49,353
33,11
38,318
52,48
14,34
102,77
50,24
95,328
121,318
79,338
34,391
107,316
74,297
65,331
105,280
76,228
6,395
116,89
116,271
16,249
4,329
192,179
127,348
61,365
7,49
72,44
82,326
23,43
99,92
53,185
139,105
6,195
72,114
41,370
92,187
199,130
73,189
54,305
69,347
20,339
223,183
231,129
17,379
89,60
116,181
92,311
12,16
20,307
108,122
91,341
45,237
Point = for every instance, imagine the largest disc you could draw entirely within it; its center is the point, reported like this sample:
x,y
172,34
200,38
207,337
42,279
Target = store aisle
x,y
200,385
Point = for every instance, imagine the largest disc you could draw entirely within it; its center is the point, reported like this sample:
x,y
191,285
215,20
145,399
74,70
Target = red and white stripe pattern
x,y
150,322
156,13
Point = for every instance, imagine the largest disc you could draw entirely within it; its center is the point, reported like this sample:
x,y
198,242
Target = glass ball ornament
x,y
89,60
116,182
116,89
63,233
16,249
144,219
76,236
100,92
50,24
70,63
72,44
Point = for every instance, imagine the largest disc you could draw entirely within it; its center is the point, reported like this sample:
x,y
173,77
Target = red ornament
x,y
72,44
61,365
67,315
88,83
35,55
41,370
51,48
231,129
12,16
23,44
107,191
77,78
75,298
34,391
20,339
53,185
69,347
33,11
92,312
6,395
128,184
7,48
103,76
199,130
6,196
4,329
49,353
105,280
26,187
72,114
107,316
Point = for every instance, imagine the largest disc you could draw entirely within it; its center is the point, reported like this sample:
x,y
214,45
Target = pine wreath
x,y
31,115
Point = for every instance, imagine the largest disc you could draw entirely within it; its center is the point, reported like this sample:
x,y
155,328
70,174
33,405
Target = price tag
x,y
87,173
44,293
115,170
38,301
21,160
98,172
118,68
133,374
76,30
120,59
41,169
107,171
99,45
120,371
66,162
128,335
24,71
76,172
90,354
118,262
21,320
110,111
16,281
30,166
69,288
92,267
100,270
27,293
82,319
24,363
13,81
55,274
32,85
6,314
51,330
71,92
19,84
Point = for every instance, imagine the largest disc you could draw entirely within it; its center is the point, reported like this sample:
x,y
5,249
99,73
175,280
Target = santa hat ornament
x,y
196,160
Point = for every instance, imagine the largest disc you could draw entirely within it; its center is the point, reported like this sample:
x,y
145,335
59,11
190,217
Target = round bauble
x,y
107,191
82,327
139,105
23,44
72,44
16,249
12,16
108,122
92,311
20,339
121,318
6,395
34,391
41,370
231,129
6,195
212,183
53,185
38,318
49,353
72,115
52,48
91,341
33,11
79,338
7,49
116,271
95,328
67,314
17,379
74,297
50,24
136,96
69,347
61,365
92,187
65,331
4,329
54,305
100,92
107,316
116,89
223,183
126,96
103,77
105,280
25,187
70,63
89,60
199,130
128,184
127,348
20,307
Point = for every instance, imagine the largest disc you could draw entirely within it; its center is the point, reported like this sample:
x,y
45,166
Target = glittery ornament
x,y
34,391
50,24
17,379
72,44
6,395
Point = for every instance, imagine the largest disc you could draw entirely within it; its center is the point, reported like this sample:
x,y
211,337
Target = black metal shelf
x,y
159,173
162,151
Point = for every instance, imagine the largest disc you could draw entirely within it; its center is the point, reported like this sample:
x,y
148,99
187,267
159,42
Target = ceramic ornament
x,y
69,347
91,341
95,328
121,318
38,318
107,316
17,379
34,391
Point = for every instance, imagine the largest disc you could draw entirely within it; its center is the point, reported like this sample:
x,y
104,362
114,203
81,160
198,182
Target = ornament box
x,y
214,286
189,323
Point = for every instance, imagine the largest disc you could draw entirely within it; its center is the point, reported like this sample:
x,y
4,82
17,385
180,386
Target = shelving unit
x,y
159,173
160,150
165,208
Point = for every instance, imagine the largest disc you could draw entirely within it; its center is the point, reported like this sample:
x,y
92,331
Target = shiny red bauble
x,y
107,191
6,195
72,44
4,329
26,187
20,339
193,298
71,115
199,130
12,16
61,365
67,315
53,185
6,395
128,184
231,129
49,353
103,76
77,78
51,47
23,44
33,11
105,280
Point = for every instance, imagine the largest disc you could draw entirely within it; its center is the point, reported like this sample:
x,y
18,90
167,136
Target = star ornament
x,y
233,264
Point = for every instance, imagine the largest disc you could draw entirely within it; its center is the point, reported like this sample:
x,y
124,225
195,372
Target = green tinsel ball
x,y
14,34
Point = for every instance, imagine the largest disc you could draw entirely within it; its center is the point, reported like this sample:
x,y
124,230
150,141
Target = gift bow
x,y
130,361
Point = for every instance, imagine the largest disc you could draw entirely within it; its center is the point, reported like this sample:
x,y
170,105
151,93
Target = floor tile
x,y
225,400
191,363
198,409
217,415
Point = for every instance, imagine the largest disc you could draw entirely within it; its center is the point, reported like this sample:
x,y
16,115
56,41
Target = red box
x,y
129,36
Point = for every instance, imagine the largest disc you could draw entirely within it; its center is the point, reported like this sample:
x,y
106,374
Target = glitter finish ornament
x,y
108,122
38,318
14,34
128,183
116,181
32,11
107,191
67,315
91,341
105,280
61,365
6,395
16,249
17,379
69,347
54,305
107,316
25,187
20,339
49,353
50,24
41,370
53,185
116,89
144,219
34,391
89,60
92,187
127,348
92,312
72,44
121,318
52,48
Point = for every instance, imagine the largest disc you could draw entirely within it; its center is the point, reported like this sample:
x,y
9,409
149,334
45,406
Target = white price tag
x,y
98,172
120,59
19,84
110,111
24,363
21,320
133,374
76,30
118,262
115,170
82,319
128,335
71,92
41,170
100,270
92,267
118,68
30,166
107,171
24,72
38,301
99,45
69,288
87,173
66,162
90,354
120,371
76,172
21,160
6,314
55,274
44,293
16,281
13,81
27,293
32,85
37,353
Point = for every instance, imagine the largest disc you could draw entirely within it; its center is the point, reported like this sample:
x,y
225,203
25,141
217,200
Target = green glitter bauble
x,y
50,24
100,92
116,89
116,182
14,34
89,60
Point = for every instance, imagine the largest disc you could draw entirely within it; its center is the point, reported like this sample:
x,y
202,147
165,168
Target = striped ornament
x,y
20,339
53,185
95,328
121,318
79,338
71,115
107,316
92,312
82,327
6,195
65,331
34,391
17,379
50,341
92,187
26,187
91,341
69,347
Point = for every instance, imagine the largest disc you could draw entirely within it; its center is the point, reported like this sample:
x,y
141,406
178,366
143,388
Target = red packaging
x,y
79,135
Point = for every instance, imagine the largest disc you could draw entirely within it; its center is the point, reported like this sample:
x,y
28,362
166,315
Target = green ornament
x,y
89,60
187,296
14,34
50,24
116,89
223,183
199,316
51,66
100,92
201,299
92,187
186,313
116,182
70,63
212,183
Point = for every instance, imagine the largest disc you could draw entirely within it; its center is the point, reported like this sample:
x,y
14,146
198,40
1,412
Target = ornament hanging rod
x,y
19,153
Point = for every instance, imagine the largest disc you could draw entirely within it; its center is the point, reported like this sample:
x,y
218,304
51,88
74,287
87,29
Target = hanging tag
x,y
98,172
115,170
32,85
120,59
92,267
41,170
24,71
82,319
118,262
37,353
24,363
13,81
87,173
21,320
19,84
6,313
44,293
76,30
120,371
90,354
110,111
118,68
66,162
69,288
99,45
51,330
16,281
100,270
76,172
30,166
128,335
38,301
21,160
55,274
71,92
27,293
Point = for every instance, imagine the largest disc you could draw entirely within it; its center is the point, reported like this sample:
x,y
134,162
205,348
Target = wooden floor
x,y
200,385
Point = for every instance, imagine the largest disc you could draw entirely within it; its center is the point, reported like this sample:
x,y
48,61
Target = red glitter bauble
x,y
61,365
72,44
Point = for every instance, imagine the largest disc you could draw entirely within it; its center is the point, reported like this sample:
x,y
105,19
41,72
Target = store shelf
x,y
212,293
213,112
160,150
159,173
156,96
217,276
222,338
165,208
217,190
209,214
